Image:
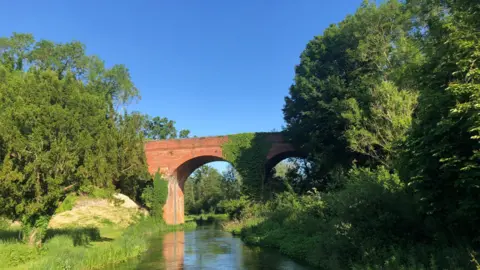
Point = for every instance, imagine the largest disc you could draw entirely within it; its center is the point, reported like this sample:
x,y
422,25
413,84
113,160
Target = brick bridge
x,y
176,159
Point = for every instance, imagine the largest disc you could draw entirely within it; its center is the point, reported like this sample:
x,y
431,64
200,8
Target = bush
x,y
234,208
67,204
370,224
4,223
155,195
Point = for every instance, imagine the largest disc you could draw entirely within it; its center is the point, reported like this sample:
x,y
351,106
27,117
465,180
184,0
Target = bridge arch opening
x,y
200,183
279,157
281,170
188,167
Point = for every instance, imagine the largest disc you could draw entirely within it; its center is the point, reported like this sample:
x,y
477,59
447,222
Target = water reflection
x,y
173,247
207,247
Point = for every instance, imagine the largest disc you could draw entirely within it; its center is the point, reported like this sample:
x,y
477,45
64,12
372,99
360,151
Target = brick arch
x,y
278,157
185,169
177,159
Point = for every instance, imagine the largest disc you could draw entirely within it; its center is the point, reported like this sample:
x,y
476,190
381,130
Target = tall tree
x,y
204,189
59,131
441,158
231,183
161,128
352,98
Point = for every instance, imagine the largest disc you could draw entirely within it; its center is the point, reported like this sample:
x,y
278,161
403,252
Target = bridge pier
x,y
173,210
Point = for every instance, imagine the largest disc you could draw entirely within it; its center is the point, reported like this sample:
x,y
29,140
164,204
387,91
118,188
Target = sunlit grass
x,y
206,217
82,248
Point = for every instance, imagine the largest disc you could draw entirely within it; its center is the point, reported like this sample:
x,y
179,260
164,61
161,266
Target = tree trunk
x,y
34,237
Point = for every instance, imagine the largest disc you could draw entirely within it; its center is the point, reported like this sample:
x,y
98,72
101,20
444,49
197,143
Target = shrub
x,y
67,204
234,208
372,223
4,223
155,195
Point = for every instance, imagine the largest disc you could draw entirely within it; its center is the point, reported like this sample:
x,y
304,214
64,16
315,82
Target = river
x,y
207,247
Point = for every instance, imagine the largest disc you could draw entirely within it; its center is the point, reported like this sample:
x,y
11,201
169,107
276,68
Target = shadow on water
x,y
207,247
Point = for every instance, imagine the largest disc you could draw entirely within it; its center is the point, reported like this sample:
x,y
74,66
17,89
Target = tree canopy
x,y
353,94
397,86
60,130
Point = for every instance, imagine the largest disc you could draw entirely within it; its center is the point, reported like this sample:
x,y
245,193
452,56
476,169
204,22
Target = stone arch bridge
x,y
176,159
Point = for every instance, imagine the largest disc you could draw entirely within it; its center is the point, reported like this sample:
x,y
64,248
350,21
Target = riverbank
x,y
331,231
83,248
90,234
208,217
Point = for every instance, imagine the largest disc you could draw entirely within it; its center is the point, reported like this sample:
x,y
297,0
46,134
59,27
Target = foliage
x,y
247,152
59,128
209,217
160,128
235,207
155,195
4,223
279,179
67,204
441,156
202,190
231,184
352,97
82,248
372,222
391,88
131,157
389,118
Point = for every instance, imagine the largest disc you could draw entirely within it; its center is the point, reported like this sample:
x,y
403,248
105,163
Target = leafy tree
x,y
231,185
133,174
441,158
155,195
160,128
59,130
352,98
203,190
184,133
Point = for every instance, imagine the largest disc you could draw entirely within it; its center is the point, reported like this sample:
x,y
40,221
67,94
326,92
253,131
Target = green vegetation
x,y
203,190
59,131
246,152
206,217
82,248
160,128
206,189
155,196
67,204
386,103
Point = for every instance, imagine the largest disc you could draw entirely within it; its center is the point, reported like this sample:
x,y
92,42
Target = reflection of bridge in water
x,y
173,249
177,159
207,247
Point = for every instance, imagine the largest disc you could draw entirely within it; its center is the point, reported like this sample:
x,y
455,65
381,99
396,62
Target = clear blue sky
x,y
214,66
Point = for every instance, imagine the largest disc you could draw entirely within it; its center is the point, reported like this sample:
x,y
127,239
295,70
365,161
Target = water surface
x,y
207,247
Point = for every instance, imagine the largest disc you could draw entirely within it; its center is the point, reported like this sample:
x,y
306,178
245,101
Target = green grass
x,y
82,248
67,204
206,217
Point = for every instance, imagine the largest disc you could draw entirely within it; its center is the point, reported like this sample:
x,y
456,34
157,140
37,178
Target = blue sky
x,y
214,66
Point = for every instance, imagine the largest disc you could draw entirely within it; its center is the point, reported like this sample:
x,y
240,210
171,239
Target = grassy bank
x,y
371,224
206,217
81,248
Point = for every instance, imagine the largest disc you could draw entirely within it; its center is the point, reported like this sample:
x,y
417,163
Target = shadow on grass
x,y
79,236
10,235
